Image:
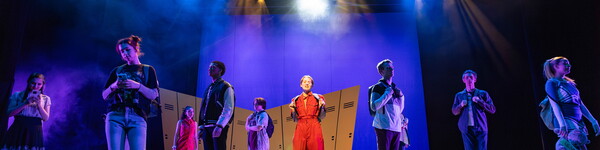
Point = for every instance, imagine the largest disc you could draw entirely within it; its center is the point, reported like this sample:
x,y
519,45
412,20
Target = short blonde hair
x,y
380,64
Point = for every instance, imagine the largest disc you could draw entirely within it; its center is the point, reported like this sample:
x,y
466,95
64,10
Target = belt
x,y
307,117
209,122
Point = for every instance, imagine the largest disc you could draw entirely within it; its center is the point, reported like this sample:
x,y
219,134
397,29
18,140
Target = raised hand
x,y
463,103
390,90
476,99
33,101
321,103
292,105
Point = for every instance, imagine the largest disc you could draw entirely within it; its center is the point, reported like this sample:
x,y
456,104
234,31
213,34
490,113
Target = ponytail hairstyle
x,y
549,71
132,40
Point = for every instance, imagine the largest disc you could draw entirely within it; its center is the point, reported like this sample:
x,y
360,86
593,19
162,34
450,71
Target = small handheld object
x,y
34,93
121,77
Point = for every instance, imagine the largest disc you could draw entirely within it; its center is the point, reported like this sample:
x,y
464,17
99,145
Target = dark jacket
x,y
213,106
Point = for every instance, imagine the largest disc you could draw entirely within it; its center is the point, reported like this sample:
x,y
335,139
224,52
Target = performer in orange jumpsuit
x,y
308,109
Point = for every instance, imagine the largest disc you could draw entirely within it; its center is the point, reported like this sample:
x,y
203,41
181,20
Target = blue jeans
x,y
125,124
475,139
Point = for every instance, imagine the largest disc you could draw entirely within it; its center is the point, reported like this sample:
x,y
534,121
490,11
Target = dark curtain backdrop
x,y
73,44
10,48
570,29
506,43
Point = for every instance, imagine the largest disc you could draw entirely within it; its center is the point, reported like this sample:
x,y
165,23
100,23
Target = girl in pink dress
x,y
186,137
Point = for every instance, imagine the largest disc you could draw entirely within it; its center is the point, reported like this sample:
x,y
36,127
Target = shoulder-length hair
x,y
32,76
184,115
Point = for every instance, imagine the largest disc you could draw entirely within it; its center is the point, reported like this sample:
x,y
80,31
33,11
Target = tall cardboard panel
x,y
276,141
169,115
184,100
289,126
239,138
348,106
197,107
329,124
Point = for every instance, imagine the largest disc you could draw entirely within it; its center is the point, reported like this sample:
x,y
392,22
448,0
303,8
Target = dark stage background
x,y
505,42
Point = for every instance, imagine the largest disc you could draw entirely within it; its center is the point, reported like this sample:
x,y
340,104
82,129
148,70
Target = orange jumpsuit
x,y
308,134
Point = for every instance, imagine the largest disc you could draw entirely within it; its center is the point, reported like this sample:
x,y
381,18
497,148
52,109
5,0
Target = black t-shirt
x,y
136,73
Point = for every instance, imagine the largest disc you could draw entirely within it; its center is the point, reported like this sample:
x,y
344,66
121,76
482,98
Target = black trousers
x,y
211,143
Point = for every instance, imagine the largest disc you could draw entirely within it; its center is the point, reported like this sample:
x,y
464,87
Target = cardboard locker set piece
x,y
338,125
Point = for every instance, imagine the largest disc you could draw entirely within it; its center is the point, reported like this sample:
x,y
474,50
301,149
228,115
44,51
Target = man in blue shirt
x,y
471,104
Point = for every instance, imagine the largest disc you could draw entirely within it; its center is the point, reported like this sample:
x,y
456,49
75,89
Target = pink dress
x,y
187,133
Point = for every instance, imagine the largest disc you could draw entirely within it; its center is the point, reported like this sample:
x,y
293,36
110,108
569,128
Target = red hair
x,y
133,41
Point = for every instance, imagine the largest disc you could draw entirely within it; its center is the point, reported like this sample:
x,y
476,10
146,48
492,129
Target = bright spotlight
x,y
311,10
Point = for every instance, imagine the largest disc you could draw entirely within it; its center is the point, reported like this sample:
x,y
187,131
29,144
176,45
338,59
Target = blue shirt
x,y
479,109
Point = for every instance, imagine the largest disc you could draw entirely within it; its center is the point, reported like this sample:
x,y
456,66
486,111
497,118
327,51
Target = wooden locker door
x,y
329,124
276,141
169,115
346,121
184,100
289,126
239,137
196,115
